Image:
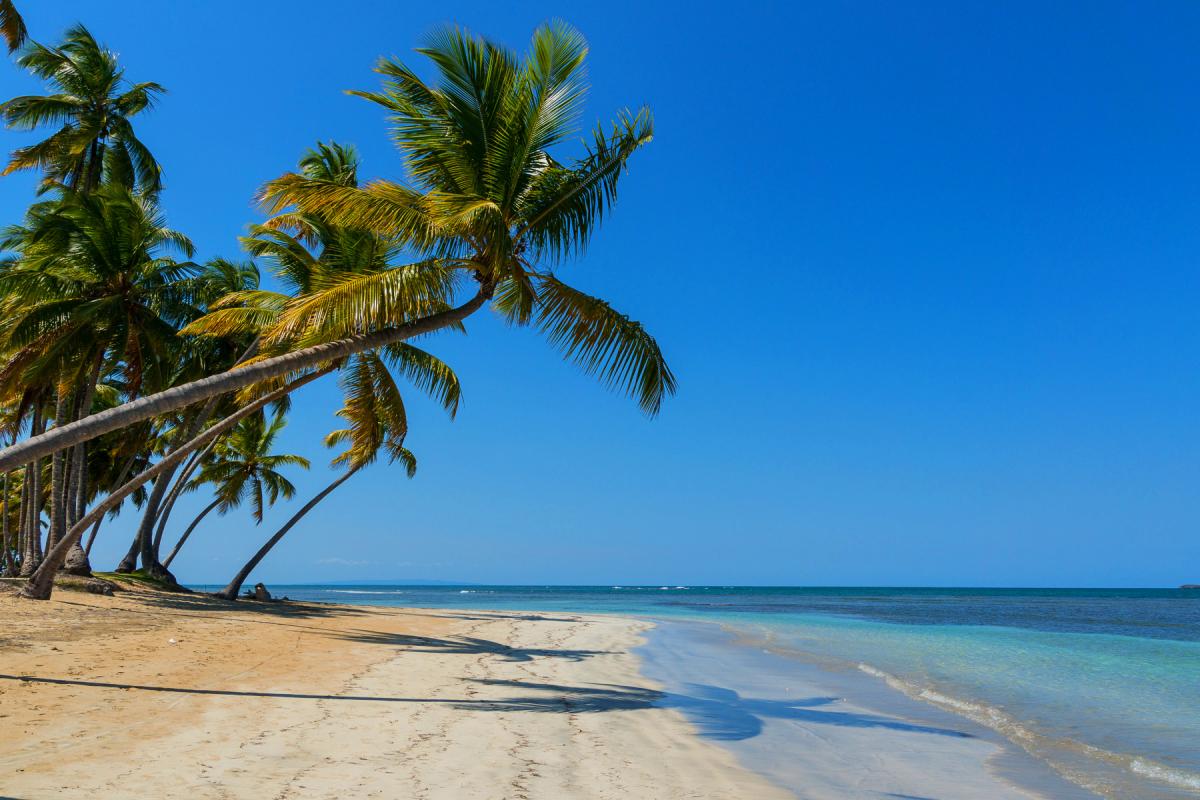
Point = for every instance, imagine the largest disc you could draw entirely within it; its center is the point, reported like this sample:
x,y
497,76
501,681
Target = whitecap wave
x,y
364,591
1036,743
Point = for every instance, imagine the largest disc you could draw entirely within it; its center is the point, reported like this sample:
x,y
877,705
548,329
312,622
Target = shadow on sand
x,y
465,645
719,713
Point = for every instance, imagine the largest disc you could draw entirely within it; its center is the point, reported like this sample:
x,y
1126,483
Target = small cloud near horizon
x,y
343,562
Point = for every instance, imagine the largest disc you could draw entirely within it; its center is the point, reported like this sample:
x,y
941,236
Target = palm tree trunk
x,y
175,493
5,541
87,548
41,583
143,544
196,459
58,489
179,545
145,535
23,524
33,508
79,475
230,592
231,380
125,470
128,562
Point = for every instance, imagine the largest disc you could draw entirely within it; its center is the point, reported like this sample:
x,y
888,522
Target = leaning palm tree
x,y
486,200
377,421
245,468
198,356
93,105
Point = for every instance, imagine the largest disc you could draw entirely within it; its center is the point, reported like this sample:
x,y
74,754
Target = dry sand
x,y
179,696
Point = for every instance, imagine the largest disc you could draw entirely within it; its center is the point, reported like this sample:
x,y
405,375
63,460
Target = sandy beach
x,y
182,696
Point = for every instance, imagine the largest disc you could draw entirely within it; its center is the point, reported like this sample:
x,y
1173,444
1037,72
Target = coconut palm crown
x,y
93,104
486,198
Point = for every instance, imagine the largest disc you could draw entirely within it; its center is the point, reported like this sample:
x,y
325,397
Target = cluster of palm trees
x,y
130,371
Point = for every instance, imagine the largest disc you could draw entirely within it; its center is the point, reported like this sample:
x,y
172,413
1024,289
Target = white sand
x,y
408,704
293,701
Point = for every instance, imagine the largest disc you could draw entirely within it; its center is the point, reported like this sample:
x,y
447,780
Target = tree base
x,y
77,563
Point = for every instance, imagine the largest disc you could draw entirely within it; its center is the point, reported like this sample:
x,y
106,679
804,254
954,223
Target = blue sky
x,y
927,274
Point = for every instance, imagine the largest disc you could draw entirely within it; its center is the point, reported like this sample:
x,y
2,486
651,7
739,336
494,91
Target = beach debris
x,y
260,592
171,641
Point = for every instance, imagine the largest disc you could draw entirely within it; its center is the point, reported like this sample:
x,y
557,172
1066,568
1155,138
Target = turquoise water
x,y
1102,684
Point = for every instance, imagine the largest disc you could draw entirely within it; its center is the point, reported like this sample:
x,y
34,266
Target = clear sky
x,y
927,273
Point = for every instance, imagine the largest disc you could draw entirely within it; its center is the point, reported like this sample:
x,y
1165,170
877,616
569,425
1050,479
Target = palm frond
x,y
382,207
564,206
12,27
604,343
428,373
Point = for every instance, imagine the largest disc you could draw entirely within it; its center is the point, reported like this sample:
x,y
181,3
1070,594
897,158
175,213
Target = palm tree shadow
x,y
467,645
719,713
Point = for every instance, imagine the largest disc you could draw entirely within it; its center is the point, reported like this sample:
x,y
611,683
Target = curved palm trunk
x,y
176,492
145,535
168,504
41,583
179,545
144,543
231,380
128,562
230,592
87,548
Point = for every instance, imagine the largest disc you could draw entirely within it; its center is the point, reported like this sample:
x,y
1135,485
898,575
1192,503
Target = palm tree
x,y
93,104
487,201
91,285
198,357
93,279
377,421
12,27
41,583
244,468
308,253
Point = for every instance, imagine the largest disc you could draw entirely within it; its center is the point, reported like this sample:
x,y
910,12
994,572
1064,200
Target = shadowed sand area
x,y
291,700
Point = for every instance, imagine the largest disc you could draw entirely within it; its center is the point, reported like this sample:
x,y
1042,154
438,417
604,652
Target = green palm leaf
x,y
604,343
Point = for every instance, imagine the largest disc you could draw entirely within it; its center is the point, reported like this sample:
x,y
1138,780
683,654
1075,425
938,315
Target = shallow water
x,y
1102,684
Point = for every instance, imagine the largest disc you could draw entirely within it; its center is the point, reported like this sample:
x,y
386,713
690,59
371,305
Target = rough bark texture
x,y
41,583
76,562
231,380
230,592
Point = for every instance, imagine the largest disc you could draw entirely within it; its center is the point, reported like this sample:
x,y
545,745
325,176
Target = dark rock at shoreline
x,y
261,593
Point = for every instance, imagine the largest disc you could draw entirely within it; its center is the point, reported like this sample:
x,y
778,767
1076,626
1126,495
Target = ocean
x,y
1102,685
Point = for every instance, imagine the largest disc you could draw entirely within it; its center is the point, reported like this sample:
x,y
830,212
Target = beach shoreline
x,y
230,698
186,696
